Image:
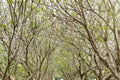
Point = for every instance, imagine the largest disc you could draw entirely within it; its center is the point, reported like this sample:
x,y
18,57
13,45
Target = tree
x,y
25,46
91,28
76,39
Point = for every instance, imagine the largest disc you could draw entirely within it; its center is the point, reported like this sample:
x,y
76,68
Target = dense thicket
x,y
75,39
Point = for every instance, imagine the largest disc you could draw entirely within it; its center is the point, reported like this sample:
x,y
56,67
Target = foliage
x,y
74,39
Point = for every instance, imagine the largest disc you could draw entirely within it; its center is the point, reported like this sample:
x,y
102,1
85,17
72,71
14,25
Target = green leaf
x,y
100,39
43,9
28,14
58,1
39,1
74,14
1,51
2,25
33,6
9,23
10,1
21,68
